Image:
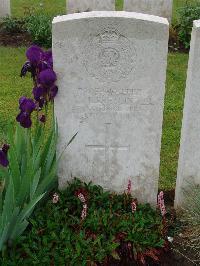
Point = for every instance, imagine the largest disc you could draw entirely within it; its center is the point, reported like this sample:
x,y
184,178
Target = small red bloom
x,y
161,203
84,211
133,206
83,192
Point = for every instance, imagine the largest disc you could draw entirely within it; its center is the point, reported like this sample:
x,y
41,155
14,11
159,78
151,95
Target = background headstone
x,y
189,155
4,8
77,6
111,75
161,8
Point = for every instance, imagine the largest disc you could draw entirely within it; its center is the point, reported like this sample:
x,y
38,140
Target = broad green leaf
x,y
34,184
8,204
65,147
29,207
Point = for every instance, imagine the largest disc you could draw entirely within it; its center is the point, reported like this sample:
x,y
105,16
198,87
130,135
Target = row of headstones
x,y
162,8
4,8
111,75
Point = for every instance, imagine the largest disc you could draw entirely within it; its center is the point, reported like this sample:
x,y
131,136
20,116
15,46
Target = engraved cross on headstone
x,y
107,147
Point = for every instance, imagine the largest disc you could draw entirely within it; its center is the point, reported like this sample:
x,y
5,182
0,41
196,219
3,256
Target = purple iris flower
x,y
50,63
3,155
53,92
26,105
47,55
24,119
34,55
48,58
46,62
38,92
42,66
41,102
27,68
47,77
22,99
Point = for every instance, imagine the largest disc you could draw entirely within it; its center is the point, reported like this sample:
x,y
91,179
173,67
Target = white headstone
x,y
189,155
111,75
161,8
77,6
4,8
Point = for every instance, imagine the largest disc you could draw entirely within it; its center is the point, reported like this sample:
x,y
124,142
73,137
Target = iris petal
x,y
24,119
26,105
47,77
38,92
34,54
3,159
26,68
53,92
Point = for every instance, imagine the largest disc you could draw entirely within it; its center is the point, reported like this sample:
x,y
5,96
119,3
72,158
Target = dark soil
x,y
177,47
15,39
170,258
173,258
169,197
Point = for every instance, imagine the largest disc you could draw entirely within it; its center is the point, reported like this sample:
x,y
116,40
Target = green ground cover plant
x,y
177,5
187,15
84,225
39,27
13,25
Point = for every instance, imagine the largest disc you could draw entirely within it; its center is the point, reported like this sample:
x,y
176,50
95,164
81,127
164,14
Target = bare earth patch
x,y
15,40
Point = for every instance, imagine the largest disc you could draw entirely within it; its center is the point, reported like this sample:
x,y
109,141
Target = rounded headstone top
x,y
104,14
196,23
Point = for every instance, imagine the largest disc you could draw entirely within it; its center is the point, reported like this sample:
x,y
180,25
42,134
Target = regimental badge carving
x,y
109,55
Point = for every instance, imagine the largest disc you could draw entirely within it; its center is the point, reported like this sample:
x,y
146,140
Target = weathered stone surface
x,y
111,75
189,155
77,6
161,8
4,8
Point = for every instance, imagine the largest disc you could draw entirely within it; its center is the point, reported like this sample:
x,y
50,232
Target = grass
x,y
12,87
58,7
51,7
174,99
